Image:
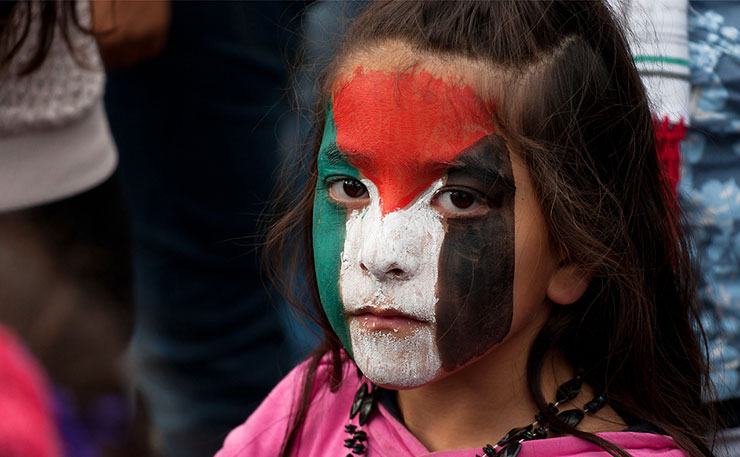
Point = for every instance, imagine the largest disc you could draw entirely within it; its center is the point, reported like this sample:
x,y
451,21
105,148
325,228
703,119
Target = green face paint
x,y
329,224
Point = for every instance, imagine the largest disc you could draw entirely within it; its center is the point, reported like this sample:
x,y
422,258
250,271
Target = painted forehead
x,y
403,129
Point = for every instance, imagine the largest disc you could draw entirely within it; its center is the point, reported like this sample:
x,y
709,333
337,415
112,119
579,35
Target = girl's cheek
x,y
475,292
476,268
536,260
329,230
329,221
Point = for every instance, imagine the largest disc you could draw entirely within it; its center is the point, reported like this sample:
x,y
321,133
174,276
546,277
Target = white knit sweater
x,y
54,136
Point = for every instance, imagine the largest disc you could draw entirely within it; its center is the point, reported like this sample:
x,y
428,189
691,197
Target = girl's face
x,y
429,244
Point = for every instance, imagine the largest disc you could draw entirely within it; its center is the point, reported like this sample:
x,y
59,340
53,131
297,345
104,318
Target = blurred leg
x,y
196,134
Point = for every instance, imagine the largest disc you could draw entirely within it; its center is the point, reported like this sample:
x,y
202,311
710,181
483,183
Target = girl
x,y
492,249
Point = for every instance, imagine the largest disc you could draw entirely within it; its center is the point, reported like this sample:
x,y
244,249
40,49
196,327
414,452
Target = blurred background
x,y
140,142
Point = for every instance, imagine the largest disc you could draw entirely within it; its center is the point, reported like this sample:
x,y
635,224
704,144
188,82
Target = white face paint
x,y
390,264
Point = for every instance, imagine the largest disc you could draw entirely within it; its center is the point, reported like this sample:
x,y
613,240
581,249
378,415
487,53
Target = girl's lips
x,y
386,320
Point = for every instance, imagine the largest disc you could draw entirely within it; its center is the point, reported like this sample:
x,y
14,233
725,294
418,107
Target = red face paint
x,y
401,129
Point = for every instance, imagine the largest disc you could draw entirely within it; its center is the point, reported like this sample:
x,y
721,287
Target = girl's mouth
x,y
386,320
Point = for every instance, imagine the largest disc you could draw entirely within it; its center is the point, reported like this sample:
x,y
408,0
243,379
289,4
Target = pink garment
x,y
27,427
323,432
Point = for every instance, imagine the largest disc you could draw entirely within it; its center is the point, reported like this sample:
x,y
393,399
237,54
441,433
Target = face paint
x,y
476,276
329,221
447,280
389,264
401,130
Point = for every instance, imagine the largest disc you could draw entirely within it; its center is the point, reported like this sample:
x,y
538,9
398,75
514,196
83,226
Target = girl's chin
x,y
404,385
399,355
398,359
399,379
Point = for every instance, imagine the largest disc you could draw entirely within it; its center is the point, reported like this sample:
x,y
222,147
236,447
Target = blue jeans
x,y
196,131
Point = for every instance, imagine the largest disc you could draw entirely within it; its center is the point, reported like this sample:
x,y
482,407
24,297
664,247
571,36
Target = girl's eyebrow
x,y
334,155
486,160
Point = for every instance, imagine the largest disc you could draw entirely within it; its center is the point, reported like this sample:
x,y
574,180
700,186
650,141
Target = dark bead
x,y
515,434
359,396
367,406
489,450
553,408
349,428
594,405
512,450
571,417
568,391
540,433
359,448
540,418
360,435
349,442
350,455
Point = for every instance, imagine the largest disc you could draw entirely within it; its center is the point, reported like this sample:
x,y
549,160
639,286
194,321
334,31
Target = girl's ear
x,y
567,284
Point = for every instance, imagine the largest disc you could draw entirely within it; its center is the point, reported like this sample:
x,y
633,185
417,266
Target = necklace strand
x,y
365,403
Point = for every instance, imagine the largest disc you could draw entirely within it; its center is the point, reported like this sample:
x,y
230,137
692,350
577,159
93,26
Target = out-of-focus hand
x,y
130,31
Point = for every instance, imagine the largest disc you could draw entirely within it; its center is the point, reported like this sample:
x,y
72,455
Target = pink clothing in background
x,y
27,427
323,432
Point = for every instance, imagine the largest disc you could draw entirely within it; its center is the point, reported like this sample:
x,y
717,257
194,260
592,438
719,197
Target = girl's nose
x,y
390,253
384,271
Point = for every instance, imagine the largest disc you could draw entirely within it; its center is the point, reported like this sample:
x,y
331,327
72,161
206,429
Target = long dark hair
x,y
574,107
16,18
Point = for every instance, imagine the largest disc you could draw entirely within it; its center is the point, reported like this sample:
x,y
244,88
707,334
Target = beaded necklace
x,y
366,399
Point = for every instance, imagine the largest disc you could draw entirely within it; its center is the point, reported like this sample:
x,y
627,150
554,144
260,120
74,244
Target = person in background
x,y
197,127
657,35
688,55
710,188
28,428
63,247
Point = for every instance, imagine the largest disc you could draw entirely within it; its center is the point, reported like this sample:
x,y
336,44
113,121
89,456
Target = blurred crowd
x,y
140,142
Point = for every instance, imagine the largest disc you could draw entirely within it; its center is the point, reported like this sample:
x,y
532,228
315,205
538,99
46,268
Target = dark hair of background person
x,y
575,109
16,17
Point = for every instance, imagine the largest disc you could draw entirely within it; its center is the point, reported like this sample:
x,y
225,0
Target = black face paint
x,y
476,262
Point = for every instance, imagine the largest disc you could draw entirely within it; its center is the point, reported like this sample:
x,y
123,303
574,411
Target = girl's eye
x,y
348,190
461,200
458,203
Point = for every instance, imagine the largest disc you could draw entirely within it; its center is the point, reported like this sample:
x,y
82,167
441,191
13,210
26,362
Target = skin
x,y
475,304
416,132
329,218
482,342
